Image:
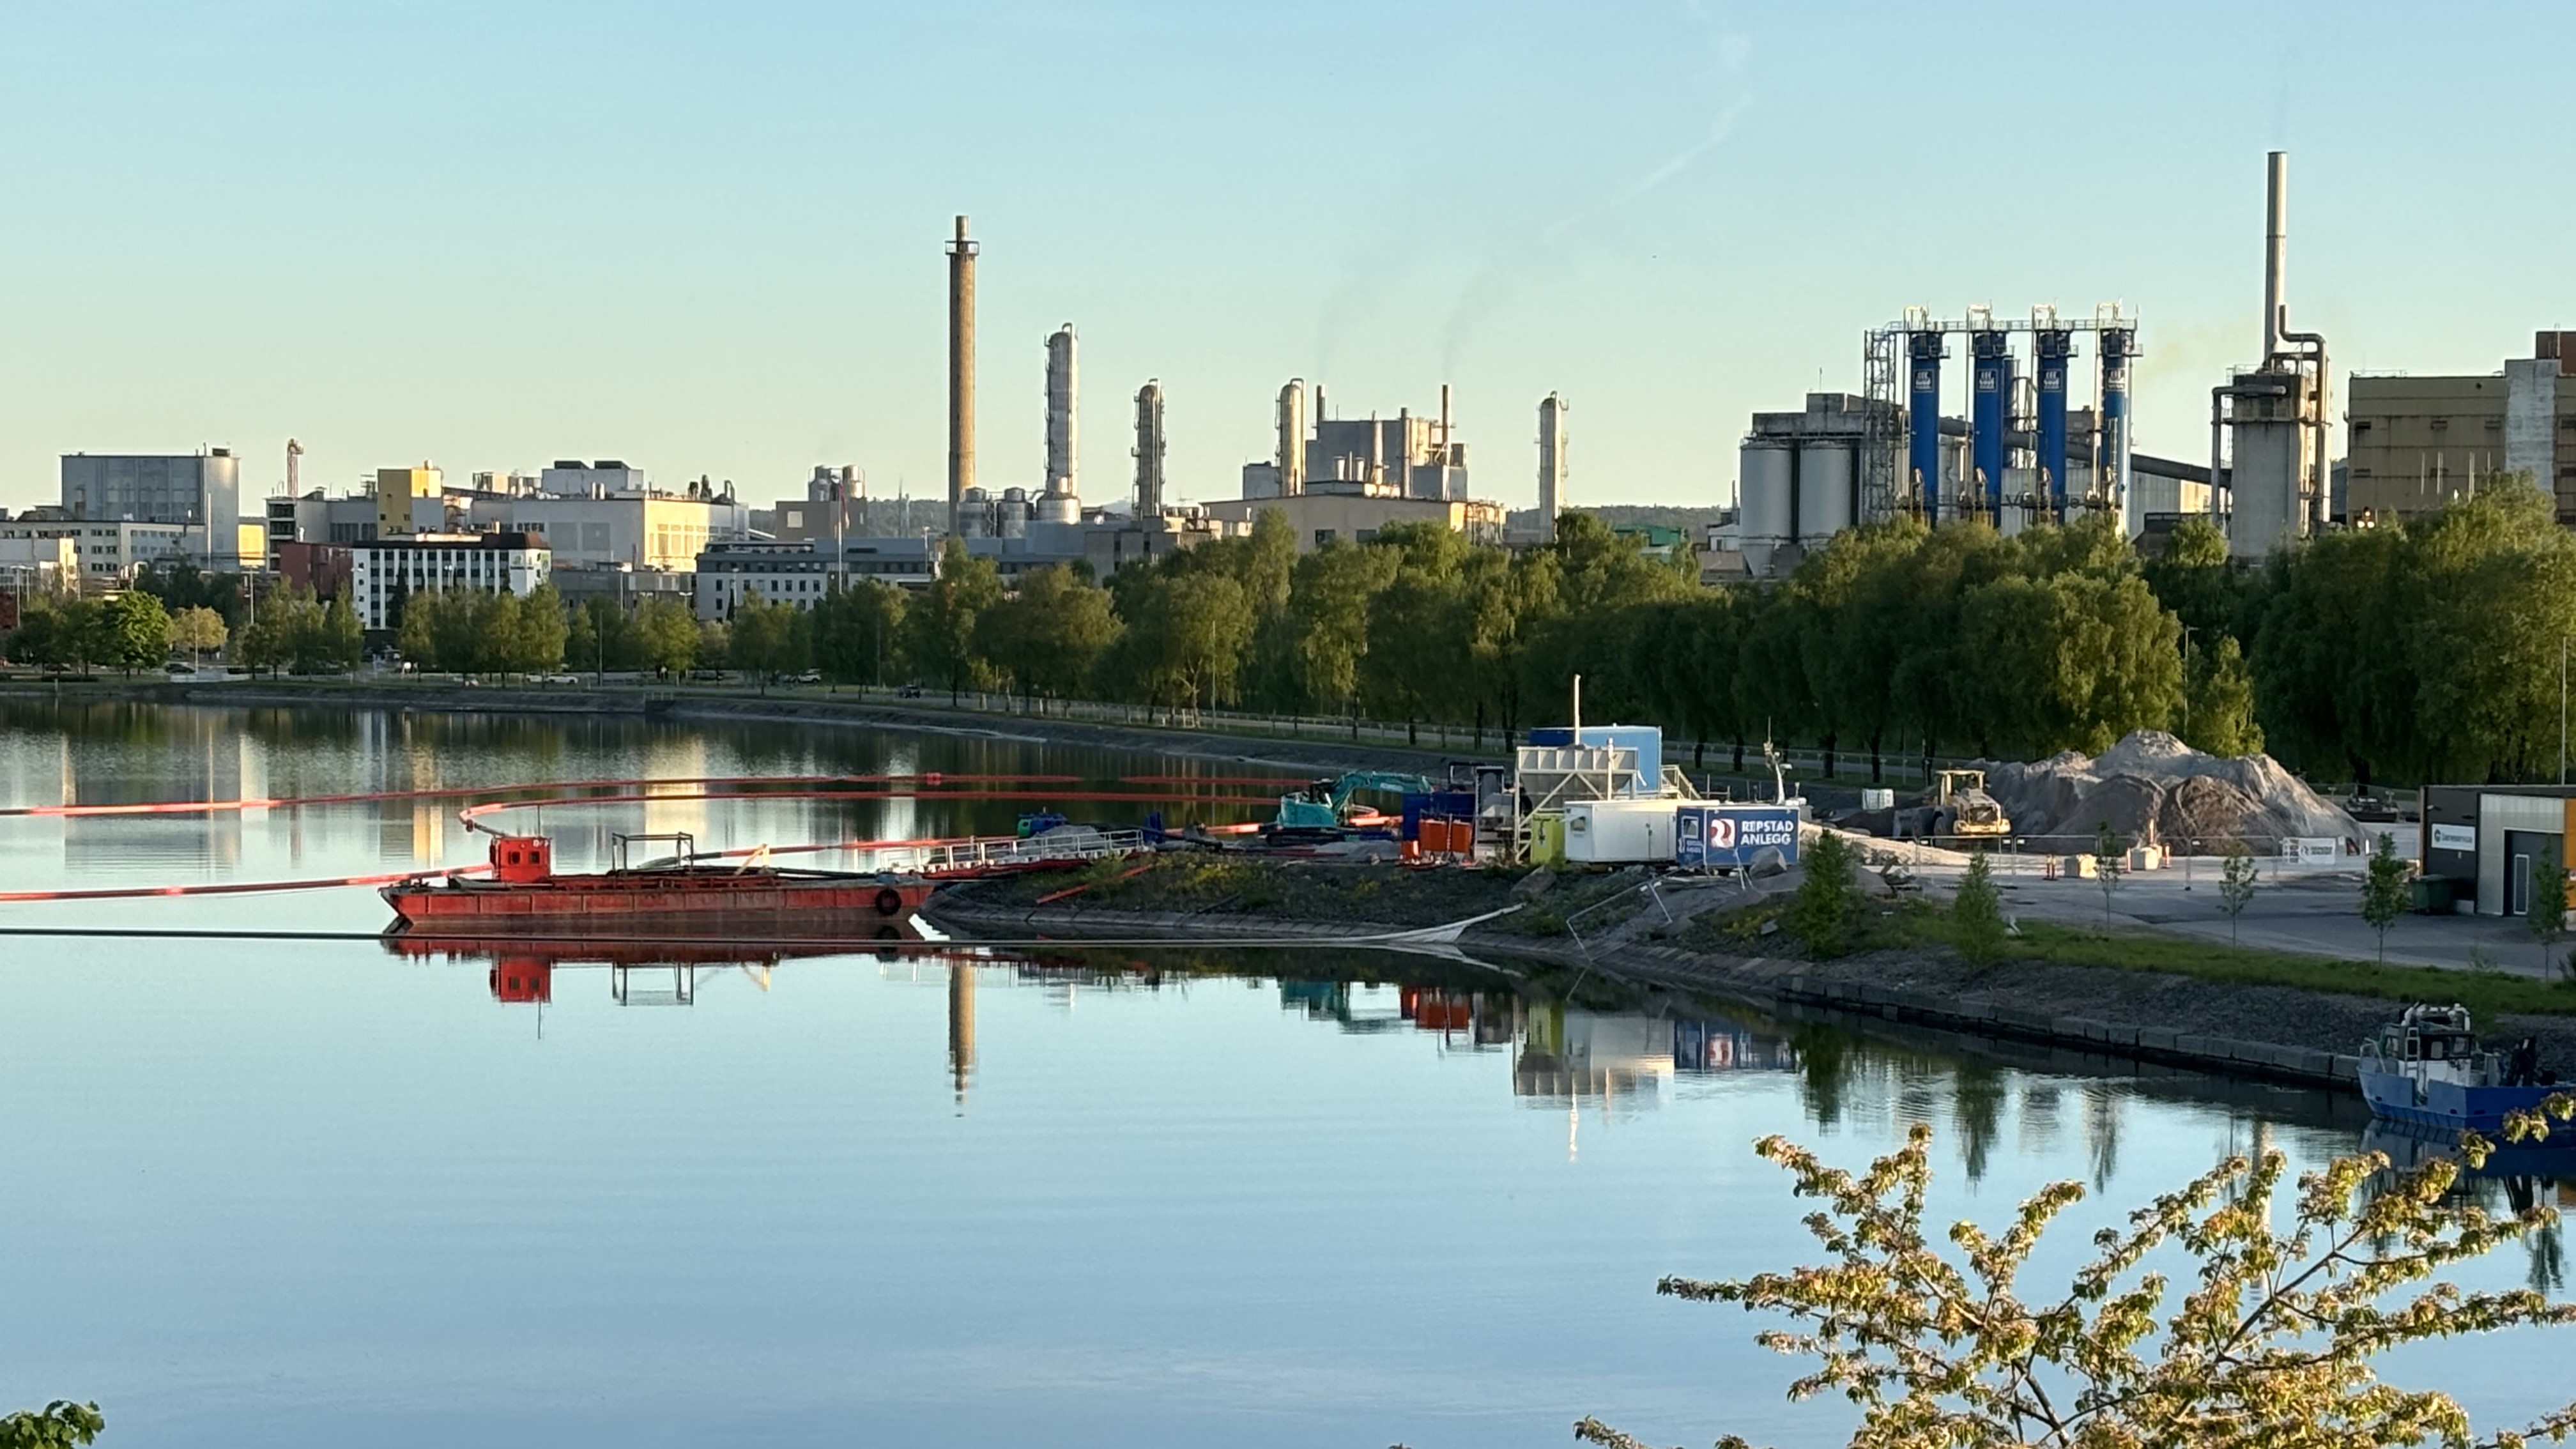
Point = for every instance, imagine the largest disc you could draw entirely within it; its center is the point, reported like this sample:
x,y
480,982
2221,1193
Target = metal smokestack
x,y
961,371
1551,465
1149,450
1292,438
2276,250
1062,465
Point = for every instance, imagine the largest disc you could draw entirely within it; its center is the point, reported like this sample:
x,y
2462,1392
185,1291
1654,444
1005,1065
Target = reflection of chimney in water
x,y
961,1026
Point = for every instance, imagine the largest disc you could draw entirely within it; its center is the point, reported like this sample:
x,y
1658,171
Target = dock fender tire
x,y
888,933
889,901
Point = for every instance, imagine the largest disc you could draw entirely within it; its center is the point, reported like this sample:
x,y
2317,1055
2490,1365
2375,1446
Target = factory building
x,y
2415,443
203,489
199,493
107,552
2484,840
1346,480
383,572
410,500
2270,426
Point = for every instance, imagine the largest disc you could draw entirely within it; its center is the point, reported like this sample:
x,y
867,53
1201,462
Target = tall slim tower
x,y
1551,465
1292,438
1062,460
1149,449
961,370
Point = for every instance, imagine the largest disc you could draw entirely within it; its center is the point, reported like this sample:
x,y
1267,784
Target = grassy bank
x,y
1266,888
1913,925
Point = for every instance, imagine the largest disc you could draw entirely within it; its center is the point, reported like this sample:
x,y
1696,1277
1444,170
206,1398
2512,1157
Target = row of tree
x,y
2423,650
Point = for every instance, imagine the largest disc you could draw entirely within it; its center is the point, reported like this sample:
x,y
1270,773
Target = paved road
x,y
2311,909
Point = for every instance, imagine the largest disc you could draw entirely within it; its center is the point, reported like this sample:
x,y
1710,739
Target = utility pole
x,y
2562,709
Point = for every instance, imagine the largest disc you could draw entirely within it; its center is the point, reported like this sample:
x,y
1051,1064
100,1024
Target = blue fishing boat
x,y
2426,1068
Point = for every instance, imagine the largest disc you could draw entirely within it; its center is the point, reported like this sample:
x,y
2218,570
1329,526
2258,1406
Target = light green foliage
x,y
1050,634
2220,690
133,631
2546,916
537,635
2422,651
2238,876
2109,860
666,633
1977,913
940,625
198,630
2269,1345
1186,638
61,1424
2383,890
1820,913
858,632
1326,622
766,640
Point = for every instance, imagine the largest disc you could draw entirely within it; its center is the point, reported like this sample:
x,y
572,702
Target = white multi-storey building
x,y
384,571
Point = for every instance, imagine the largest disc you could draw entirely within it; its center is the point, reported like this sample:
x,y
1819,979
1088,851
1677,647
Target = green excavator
x,y
1324,804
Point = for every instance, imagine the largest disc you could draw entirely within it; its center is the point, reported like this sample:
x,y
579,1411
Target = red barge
x,y
675,896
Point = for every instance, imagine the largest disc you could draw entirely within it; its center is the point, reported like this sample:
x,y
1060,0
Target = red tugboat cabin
x,y
521,859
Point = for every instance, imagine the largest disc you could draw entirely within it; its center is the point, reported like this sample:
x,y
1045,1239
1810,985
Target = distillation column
x,y
2054,346
1551,465
1149,450
1924,351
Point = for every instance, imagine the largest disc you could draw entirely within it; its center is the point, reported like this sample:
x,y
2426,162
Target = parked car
x,y
909,691
179,666
810,676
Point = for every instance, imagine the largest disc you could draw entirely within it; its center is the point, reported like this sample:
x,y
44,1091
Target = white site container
x,y
1880,799
1618,832
2147,857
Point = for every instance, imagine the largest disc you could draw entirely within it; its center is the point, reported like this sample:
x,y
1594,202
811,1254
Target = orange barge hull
x,y
648,902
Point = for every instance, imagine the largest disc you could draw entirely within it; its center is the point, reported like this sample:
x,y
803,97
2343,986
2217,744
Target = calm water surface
x,y
315,1193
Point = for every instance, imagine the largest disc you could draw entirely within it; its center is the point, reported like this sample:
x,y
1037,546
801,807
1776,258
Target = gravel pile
x,y
2153,787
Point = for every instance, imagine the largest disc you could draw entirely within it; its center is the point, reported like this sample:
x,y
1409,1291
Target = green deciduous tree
x,y
2546,916
1820,911
2108,864
1048,637
858,632
940,625
667,636
2238,877
1977,913
133,631
2270,1345
2383,890
61,1424
198,630
2218,715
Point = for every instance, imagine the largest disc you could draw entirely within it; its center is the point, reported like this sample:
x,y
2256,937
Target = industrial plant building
x,y
2016,451
2416,443
384,572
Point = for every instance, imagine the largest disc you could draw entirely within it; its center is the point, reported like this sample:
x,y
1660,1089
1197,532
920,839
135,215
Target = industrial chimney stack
x,y
1062,460
2276,250
961,371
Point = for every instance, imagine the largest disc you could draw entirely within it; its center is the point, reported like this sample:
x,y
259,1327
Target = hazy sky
x,y
706,238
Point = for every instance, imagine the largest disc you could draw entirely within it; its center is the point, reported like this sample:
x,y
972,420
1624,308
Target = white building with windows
x,y
108,551
385,571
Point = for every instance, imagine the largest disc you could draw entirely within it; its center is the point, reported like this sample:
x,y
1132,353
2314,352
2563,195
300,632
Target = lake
x,y
315,1192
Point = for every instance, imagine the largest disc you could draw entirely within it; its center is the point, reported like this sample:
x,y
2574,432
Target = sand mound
x,y
2154,787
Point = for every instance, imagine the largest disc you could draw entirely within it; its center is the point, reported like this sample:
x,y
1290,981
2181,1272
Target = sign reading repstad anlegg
x,y
1723,837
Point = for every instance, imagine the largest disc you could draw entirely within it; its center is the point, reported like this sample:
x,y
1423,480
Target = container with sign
x,y
2311,849
1606,832
1728,837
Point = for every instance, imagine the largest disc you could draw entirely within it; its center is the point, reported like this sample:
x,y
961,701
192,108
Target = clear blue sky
x,y
705,238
